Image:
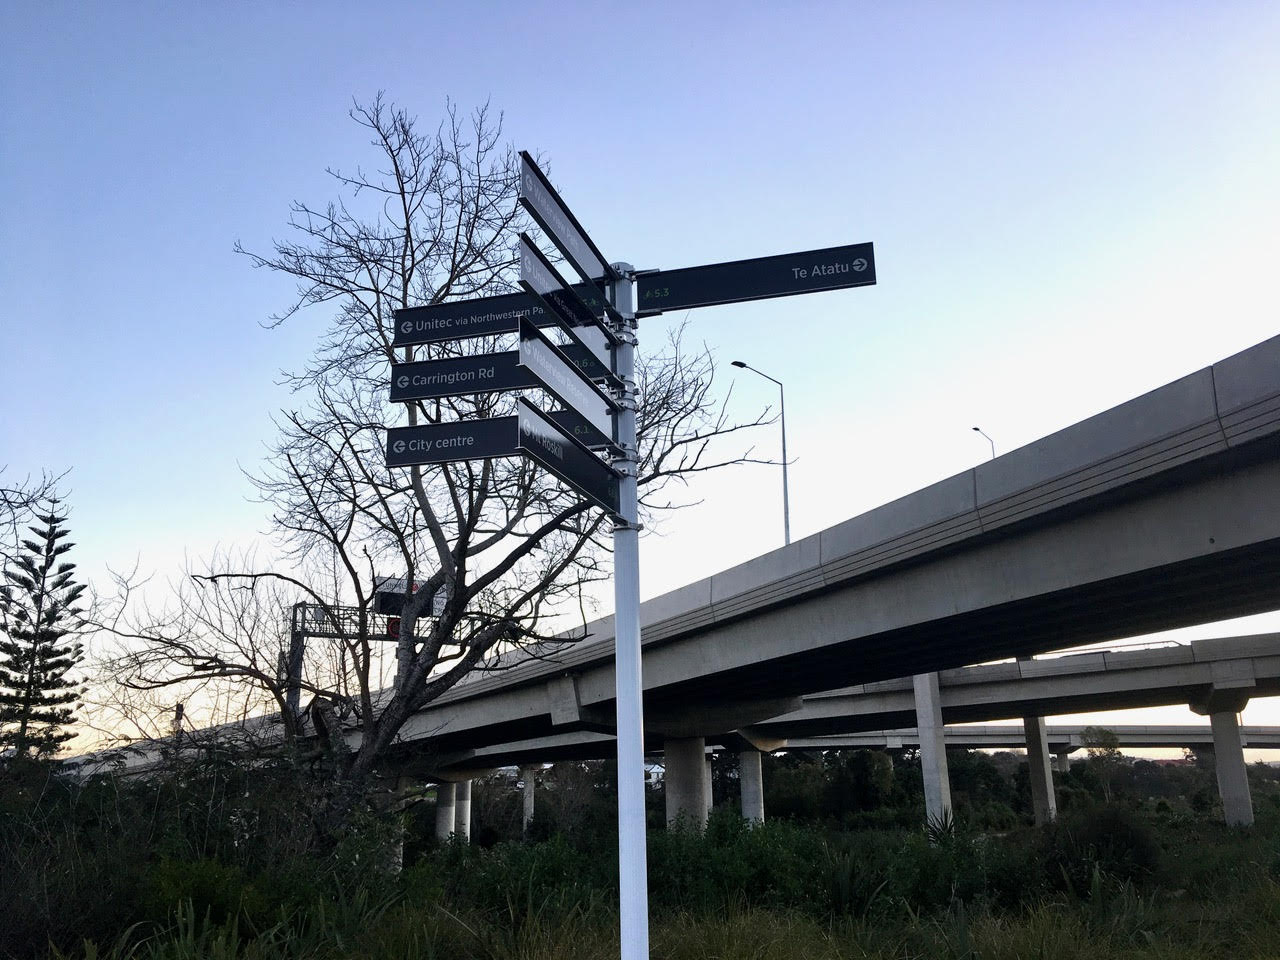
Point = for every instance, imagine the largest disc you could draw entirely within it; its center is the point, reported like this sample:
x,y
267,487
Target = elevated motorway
x,y
1158,513
1191,674
1194,675
1063,739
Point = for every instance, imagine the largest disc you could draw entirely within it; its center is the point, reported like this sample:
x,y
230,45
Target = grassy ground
x,y
1109,884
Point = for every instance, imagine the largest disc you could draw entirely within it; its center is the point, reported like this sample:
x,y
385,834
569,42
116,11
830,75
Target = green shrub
x,y
1109,838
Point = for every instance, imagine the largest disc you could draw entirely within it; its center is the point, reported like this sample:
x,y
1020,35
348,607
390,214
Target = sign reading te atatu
x,y
756,279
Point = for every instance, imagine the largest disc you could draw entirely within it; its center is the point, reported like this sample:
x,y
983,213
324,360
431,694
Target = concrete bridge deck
x,y
1158,513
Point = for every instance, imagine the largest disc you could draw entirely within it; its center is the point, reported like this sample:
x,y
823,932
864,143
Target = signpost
x,y
598,318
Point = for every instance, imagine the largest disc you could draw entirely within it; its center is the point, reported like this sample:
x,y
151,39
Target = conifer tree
x,y
38,615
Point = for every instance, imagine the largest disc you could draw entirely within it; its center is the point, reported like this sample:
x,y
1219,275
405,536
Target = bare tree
x,y
502,543
17,499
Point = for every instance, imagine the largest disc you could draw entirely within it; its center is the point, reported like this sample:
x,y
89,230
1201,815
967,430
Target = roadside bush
x,y
1110,839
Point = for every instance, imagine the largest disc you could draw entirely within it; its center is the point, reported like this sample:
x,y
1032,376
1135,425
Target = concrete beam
x,y
714,719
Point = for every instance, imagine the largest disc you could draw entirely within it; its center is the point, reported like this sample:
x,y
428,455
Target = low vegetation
x,y
216,860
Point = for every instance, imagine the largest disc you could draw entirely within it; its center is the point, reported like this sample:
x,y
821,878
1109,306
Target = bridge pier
x,y
462,810
529,777
1062,760
933,748
1225,698
707,780
751,785
445,816
685,779
1043,801
1233,775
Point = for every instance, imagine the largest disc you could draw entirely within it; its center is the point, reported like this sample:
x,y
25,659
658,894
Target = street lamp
x,y
782,417
989,440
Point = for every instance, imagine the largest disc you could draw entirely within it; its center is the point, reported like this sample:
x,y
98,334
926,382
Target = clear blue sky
x,y
1071,203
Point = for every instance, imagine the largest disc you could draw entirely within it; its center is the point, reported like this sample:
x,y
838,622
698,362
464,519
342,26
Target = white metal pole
x,y
786,498
633,878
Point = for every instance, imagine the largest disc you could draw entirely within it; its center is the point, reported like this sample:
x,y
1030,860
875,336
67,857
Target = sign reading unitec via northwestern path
x,y
481,317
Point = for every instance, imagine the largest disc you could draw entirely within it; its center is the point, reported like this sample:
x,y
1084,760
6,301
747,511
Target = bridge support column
x,y
685,779
1223,701
1062,760
707,780
462,811
933,748
444,810
751,783
1233,776
529,776
1043,801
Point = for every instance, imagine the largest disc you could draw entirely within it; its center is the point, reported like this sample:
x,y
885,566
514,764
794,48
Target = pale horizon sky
x,y
1072,204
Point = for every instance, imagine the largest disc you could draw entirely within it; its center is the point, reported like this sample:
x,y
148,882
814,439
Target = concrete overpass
x,y
1064,739
1158,513
1214,676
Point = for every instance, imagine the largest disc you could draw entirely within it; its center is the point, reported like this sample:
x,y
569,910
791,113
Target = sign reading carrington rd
x,y
481,373
756,279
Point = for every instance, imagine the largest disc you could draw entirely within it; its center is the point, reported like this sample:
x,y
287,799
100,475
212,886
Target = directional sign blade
x,y
541,278
579,322
561,226
450,442
483,373
563,378
480,317
543,441
757,279
582,430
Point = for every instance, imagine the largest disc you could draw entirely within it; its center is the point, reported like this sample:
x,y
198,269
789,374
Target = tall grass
x,y
1106,884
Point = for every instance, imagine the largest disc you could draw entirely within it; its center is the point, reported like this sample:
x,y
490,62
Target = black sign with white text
x,y
756,279
542,440
483,373
451,442
558,222
480,317
557,374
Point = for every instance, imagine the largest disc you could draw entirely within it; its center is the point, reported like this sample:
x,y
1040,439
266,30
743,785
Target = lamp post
x,y
782,417
989,440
